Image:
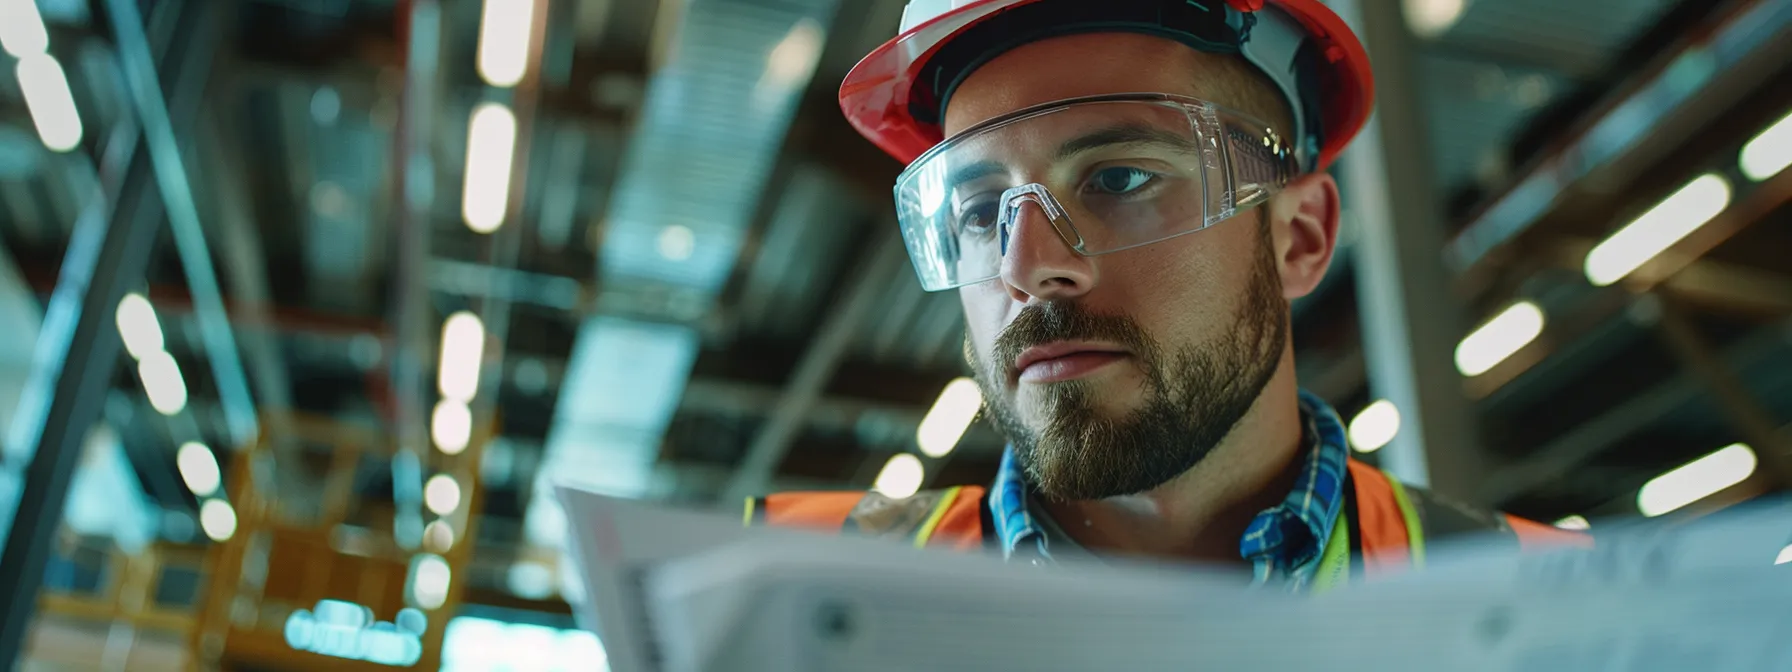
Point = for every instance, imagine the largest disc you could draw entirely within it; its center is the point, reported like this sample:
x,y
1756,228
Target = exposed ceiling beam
x,y
1500,55
1700,280
704,393
1632,132
1751,420
1595,436
1564,337
718,396
1732,287
1757,204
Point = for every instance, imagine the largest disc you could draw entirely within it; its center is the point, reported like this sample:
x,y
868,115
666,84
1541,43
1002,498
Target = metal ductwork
x,y
710,130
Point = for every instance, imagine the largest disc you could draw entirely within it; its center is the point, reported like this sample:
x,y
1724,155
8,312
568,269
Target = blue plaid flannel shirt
x,y
1283,542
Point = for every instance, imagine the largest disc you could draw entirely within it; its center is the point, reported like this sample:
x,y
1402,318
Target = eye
x,y
1120,180
976,216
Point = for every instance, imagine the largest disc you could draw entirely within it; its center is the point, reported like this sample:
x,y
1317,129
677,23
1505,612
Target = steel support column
x,y
413,350
109,250
77,355
1410,319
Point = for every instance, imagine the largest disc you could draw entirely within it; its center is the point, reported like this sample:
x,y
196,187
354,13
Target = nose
x,y
1038,263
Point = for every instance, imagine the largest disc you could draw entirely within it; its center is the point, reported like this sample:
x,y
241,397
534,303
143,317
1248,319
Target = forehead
x,y
1084,130
1077,65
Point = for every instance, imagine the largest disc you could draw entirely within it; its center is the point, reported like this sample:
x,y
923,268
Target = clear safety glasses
x,y
1107,173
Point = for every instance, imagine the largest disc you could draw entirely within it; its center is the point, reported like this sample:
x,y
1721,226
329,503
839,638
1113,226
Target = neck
x,y
1202,514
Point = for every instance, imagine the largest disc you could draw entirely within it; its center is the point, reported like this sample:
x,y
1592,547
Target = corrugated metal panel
x,y
1474,108
712,124
1506,59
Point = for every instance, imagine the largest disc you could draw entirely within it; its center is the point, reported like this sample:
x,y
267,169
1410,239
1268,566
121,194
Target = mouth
x,y
1061,360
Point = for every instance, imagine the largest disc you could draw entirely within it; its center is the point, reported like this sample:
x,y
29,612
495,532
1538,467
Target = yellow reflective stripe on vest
x,y
1415,533
746,517
1334,561
933,518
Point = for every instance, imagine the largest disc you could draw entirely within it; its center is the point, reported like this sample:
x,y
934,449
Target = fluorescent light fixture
x,y
438,536
441,494
1374,426
530,580
1432,18
1491,343
950,416
199,468
51,103
451,426
138,326
1784,557
162,382
218,519
1658,229
22,28
504,41
462,352
1574,522
491,144
429,581
1770,152
677,242
1696,480
900,477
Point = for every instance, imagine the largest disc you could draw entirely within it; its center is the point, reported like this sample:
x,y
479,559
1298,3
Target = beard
x,y
1193,397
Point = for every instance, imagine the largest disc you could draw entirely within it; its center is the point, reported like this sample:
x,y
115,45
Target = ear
x,y
1304,225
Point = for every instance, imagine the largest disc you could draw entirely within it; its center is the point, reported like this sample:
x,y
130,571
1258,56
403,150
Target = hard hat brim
x,y
875,94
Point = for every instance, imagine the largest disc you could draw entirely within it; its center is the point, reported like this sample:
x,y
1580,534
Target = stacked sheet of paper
x,y
677,591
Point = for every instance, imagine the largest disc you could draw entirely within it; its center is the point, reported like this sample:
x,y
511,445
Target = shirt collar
x,y
1284,540
1015,526
1287,539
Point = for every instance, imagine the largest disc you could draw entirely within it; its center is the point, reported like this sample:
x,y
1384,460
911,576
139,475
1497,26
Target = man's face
x,y
1115,373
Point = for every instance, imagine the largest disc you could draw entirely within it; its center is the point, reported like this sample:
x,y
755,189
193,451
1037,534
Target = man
x,y
1126,195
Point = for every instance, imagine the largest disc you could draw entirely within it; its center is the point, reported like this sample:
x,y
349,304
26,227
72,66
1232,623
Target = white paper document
x,y
680,591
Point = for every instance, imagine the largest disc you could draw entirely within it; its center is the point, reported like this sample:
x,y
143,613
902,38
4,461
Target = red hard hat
x,y
880,96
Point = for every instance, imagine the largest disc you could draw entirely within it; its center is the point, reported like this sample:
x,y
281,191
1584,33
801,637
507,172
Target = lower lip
x,y
1068,367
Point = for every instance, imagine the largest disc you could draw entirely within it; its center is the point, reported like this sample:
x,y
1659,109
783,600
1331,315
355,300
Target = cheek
x,y
1182,284
985,312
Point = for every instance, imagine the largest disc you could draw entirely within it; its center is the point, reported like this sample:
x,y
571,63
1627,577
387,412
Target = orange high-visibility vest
x,y
1384,522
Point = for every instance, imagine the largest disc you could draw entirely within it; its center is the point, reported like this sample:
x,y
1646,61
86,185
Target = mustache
x,y
1047,322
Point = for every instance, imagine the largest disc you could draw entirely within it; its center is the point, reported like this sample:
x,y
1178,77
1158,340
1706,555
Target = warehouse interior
x,y
315,298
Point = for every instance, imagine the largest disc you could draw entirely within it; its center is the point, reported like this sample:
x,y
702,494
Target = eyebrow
x,y
975,171
1127,134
